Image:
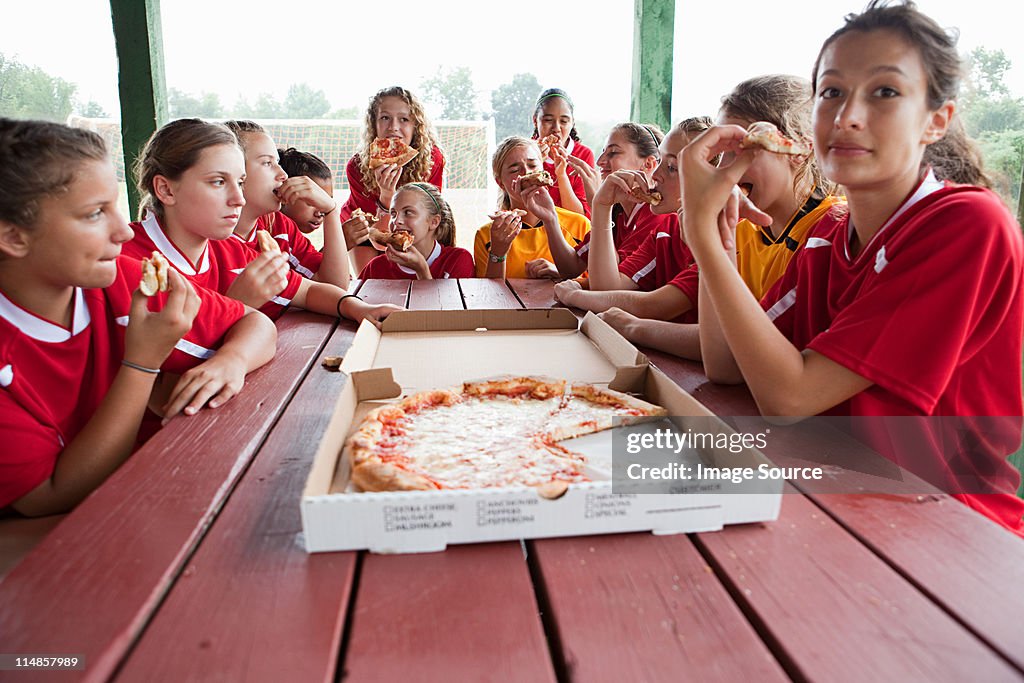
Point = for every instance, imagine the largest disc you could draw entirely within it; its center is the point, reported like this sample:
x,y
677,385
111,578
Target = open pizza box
x,y
421,350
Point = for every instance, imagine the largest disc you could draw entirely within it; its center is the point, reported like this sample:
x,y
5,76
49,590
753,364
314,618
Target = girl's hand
x,y
303,189
151,335
538,201
621,321
387,180
541,268
616,188
566,291
411,259
560,157
504,230
357,231
214,382
590,176
357,309
264,277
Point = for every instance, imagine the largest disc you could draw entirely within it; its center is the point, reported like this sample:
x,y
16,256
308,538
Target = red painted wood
x,y
639,607
534,293
252,604
833,611
480,293
385,291
91,585
435,295
466,614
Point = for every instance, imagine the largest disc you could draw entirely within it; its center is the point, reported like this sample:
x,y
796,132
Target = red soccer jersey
x,y
629,232
574,181
218,266
302,255
664,259
444,262
931,311
52,379
360,198
581,152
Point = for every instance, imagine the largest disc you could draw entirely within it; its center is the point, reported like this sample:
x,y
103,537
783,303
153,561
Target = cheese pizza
x,y
491,433
385,151
765,135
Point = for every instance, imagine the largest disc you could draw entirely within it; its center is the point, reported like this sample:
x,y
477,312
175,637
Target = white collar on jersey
x,y
43,330
570,147
929,185
166,247
634,212
430,259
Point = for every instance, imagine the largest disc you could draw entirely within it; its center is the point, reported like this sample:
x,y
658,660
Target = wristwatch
x,y
496,259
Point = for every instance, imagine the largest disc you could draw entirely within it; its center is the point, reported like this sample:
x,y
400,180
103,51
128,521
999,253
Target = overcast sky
x,y
245,48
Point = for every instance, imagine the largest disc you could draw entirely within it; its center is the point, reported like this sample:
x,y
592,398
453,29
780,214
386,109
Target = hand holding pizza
x,y
619,188
590,176
538,201
264,277
411,259
504,230
357,228
151,335
561,159
302,189
540,268
387,177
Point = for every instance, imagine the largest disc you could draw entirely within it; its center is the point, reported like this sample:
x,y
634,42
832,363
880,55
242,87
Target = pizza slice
x,y
548,143
498,214
531,180
385,151
370,218
588,408
645,194
400,239
154,274
765,135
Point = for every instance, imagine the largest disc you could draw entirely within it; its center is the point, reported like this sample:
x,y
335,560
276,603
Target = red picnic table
x,y
188,564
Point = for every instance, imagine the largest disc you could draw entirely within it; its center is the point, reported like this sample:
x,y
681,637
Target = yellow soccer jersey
x,y
531,243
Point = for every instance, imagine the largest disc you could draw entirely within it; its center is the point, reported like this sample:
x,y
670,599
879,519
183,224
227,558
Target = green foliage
x,y
93,110
513,106
185,105
28,92
303,102
453,90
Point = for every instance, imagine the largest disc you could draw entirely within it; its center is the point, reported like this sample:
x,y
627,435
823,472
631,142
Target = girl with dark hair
x,y
392,113
906,303
82,350
420,210
307,217
554,121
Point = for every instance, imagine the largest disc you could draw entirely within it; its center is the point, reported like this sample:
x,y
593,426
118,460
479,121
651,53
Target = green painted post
x,y
140,75
653,31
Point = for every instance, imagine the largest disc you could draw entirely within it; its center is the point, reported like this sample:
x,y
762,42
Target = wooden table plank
x,y
833,611
534,293
654,593
482,293
385,291
467,614
436,295
90,587
252,604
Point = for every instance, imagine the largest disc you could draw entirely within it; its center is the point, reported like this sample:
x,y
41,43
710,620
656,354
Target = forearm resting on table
x,y
664,303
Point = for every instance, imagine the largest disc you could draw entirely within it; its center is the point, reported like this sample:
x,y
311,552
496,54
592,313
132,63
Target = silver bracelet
x,y
140,368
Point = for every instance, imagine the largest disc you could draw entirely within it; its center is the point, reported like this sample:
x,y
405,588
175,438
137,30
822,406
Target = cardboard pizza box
x,y
421,350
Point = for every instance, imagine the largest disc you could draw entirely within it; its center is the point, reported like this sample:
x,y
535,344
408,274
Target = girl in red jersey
x,y
392,113
907,304
419,209
307,217
267,189
658,280
554,114
80,347
190,176
630,146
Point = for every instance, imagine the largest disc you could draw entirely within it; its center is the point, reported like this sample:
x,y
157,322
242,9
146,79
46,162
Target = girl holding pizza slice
x,y
392,113
554,129
420,210
789,188
82,350
630,146
515,243
659,278
191,175
909,303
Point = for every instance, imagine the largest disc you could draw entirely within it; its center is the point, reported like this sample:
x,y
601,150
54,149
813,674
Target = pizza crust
x,y
766,135
398,239
267,242
154,274
531,180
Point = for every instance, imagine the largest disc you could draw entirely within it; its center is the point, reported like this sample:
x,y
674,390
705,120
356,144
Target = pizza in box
x,y
491,433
